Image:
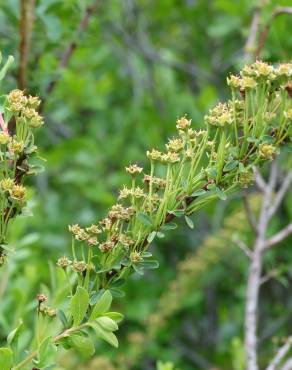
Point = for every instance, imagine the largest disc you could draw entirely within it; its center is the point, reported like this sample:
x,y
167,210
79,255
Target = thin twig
x,y
281,235
73,44
270,275
250,45
287,365
264,34
282,352
260,182
280,194
241,245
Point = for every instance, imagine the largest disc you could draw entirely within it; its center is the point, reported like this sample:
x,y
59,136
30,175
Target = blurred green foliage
x,y
136,68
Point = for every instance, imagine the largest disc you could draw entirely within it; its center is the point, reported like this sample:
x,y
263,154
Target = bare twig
x,y
73,44
287,365
260,182
254,275
27,8
264,34
281,193
250,45
241,245
282,352
146,50
270,275
281,235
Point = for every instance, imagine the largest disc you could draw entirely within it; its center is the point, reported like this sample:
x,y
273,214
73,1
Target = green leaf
x,y
117,293
102,305
221,194
8,249
62,318
149,264
190,222
146,254
6,358
178,213
104,334
169,226
199,192
145,219
151,237
138,268
14,334
95,297
46,353
231,165
252,139
4,69
35,169
160,235
83,345
107,323
116,316
79,304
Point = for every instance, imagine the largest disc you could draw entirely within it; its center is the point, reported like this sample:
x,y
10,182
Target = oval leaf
x,y
79,304
107,323
102,305
6,358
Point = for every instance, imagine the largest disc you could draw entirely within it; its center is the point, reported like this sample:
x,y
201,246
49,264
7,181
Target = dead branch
x,y
27,10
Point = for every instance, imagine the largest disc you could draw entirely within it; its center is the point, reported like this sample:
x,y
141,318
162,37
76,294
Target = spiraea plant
x,y
18,120
196,168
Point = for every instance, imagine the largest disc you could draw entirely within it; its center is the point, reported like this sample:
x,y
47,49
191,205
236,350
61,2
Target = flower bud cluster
x,y
221,115
25,108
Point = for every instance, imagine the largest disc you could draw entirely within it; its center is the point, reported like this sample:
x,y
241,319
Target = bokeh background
x,y
132,68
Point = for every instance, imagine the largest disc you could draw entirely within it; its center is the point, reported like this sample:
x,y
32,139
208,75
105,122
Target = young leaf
x,y
107,323
221,194
79,304
116,316
189,221
229,166
169,226
149,264
199,192
14,334
63,318
146,254
104,334
138,268
6,358
117,293
46,353
102,305
145,219
178,213
151,236
95,297
83,345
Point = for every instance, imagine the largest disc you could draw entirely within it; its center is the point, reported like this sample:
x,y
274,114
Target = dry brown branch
x,y
83,24
265,32
27,10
